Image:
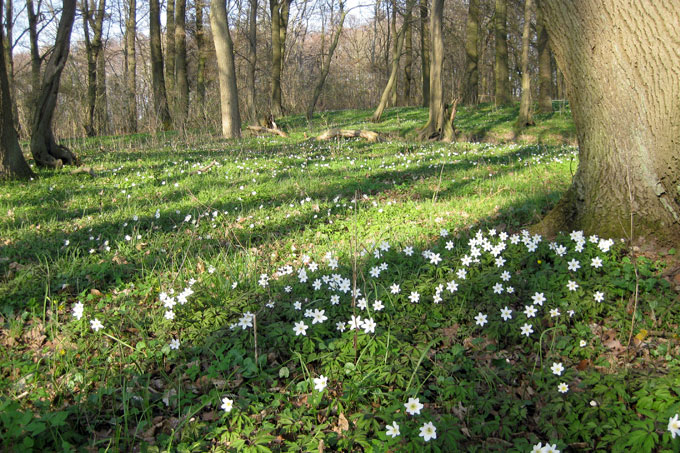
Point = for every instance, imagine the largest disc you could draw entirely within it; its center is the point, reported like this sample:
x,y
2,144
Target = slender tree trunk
x,y
160,99
102,111
36,61
544,68
200,47
408,58
279,13
95,66
91,70
391,82
425,52
396,49
224,48
44,148
501,66
437,125
9,60
131,65
524,118
252,62
471,80
12,162
326,63
396,54
624,93
170,52
181,78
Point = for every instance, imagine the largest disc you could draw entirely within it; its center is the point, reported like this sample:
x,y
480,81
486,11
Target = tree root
x,y
561,218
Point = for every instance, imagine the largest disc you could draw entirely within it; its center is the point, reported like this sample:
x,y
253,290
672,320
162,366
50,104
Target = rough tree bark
x,y
224,48
160,99
46,152
252,62
620,61
471,80
524,118
12,162
326,62
544,68
425,52
438,126
131,66
501,65
181,78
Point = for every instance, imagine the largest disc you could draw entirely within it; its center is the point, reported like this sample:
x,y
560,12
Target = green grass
x,y
151,226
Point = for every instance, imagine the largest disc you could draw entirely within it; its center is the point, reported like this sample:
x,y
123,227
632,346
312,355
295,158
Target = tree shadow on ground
x,y
118,409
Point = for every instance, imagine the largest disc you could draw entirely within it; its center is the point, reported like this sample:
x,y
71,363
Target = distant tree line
x,y
289,57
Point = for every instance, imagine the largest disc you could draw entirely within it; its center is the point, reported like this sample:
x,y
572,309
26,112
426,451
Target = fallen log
x,y
86,170
267,130
369,136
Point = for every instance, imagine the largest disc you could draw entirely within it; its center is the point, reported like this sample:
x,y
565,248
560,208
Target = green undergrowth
x,y
227,277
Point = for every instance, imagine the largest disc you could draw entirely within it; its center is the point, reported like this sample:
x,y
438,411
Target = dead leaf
x,y
610,342
343,424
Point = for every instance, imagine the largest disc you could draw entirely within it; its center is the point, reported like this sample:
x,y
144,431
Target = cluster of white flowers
x,y
413,407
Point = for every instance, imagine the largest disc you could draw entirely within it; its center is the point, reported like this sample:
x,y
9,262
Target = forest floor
x,y
287,294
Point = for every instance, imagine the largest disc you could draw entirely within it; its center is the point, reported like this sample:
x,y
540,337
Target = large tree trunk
x,y
501,66
326,63
224,48
524,118
44,148
170,51
252,62
471,80
438,126
200,48
131,66
12,162
160,99
544,68
620,61
425,52
181,78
